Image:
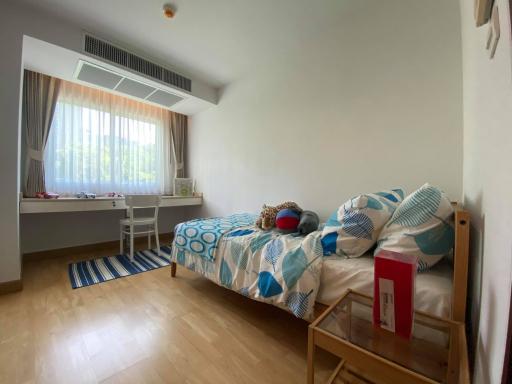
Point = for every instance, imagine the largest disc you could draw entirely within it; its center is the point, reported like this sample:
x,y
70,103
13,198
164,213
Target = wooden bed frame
x,y
460,267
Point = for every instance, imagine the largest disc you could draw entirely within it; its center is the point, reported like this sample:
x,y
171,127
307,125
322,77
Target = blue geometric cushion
x,y
354,227
420,226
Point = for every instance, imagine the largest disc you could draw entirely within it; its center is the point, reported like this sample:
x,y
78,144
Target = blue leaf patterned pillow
x,y
421,226
354,228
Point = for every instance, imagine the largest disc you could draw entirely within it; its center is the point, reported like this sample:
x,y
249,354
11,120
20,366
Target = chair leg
x,y
121,241
149,239
131,243
157,240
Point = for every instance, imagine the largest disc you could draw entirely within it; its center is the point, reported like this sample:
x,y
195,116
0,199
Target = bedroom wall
x,y
38,232
487,185
10,79
371,101
14,22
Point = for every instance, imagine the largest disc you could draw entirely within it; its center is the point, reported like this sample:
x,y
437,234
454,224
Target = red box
x,y
393,292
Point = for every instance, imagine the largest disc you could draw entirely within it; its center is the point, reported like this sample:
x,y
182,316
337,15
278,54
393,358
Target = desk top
x,y
103,203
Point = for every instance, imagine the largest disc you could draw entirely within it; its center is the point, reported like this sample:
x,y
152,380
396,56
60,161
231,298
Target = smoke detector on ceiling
x,y
169,11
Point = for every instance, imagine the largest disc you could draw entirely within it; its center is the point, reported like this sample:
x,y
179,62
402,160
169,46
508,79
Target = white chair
x,y
134,202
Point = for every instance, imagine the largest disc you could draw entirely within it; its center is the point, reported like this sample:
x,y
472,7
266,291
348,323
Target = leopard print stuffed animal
x,y
267,219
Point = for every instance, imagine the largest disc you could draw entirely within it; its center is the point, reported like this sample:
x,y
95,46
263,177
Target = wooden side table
x,y
436,353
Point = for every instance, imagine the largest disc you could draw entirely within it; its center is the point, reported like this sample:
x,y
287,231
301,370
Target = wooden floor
x,y
147,328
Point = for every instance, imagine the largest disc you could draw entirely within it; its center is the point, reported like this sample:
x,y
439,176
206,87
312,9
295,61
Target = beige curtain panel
x,y
40,93
178,135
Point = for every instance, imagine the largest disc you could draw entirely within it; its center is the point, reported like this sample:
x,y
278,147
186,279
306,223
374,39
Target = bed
x,y
433,289
242,258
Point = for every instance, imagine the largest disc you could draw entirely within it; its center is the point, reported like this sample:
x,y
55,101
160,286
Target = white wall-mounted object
x,y
495,28
126,74
489,39
482,11
110,80
107,51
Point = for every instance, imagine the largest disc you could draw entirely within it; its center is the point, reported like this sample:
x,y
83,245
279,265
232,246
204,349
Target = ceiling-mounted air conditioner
x,y
109,79
105,50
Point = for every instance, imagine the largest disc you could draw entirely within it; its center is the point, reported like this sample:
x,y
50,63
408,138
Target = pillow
x,y
354,228
420,226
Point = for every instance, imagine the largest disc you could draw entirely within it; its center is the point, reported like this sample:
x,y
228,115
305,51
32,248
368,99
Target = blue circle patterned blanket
x,y
201,236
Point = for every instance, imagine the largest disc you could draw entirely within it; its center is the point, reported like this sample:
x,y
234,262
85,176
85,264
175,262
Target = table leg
x,y
349,320
173,269
311,357
336,372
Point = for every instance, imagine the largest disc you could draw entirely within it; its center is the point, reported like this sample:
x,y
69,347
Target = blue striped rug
x,y
96,271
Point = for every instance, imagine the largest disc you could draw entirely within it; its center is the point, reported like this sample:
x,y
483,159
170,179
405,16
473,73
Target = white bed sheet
x,y
433,288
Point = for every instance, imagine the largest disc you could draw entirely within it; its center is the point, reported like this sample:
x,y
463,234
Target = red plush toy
x,y
287,220
47,195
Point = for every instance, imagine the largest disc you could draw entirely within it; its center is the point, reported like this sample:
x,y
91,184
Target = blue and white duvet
x,y
201,236
283,270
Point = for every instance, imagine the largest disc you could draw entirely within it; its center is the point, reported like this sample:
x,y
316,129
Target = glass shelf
x,y
433,352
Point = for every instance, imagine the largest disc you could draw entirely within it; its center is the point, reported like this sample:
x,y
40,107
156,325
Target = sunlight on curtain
x,y
100,143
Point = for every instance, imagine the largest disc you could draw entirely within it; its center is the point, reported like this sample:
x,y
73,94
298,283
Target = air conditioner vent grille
x,y
136,63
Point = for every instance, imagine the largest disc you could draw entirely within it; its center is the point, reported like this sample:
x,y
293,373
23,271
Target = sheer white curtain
x,y
100,143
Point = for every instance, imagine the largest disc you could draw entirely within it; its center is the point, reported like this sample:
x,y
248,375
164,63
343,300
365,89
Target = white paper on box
x,y
387,304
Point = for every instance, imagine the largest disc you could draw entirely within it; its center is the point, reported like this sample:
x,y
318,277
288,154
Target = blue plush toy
x,y
309,222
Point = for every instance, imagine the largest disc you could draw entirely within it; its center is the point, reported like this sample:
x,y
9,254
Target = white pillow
x,y
354,228
421,226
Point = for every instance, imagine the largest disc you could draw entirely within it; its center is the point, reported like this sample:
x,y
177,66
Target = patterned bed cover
x,y
283,270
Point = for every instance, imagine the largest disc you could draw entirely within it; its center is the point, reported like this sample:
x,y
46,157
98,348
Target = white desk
x,y
66,204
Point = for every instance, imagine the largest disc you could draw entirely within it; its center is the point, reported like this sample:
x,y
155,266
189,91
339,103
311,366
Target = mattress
x,y
433,288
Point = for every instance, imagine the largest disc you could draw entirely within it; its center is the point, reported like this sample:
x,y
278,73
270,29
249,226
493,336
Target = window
x,y
101,143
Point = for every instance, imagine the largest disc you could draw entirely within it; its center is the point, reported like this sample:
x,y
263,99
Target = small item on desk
x,y
114,194
86,195
47,195
394,288
184,187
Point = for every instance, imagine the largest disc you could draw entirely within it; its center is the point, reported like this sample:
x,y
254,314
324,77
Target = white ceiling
x,y
216,41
